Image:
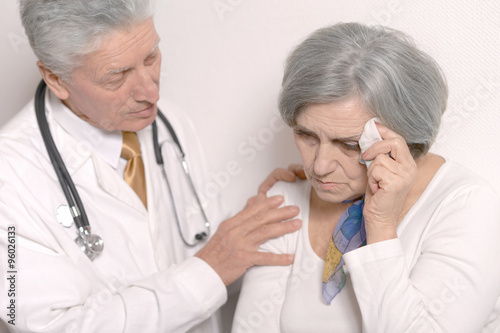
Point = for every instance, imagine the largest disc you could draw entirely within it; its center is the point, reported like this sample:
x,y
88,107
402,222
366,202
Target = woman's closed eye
x,y
308,138
351,145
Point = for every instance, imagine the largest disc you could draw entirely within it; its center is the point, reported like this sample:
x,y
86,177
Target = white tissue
x,y
369,136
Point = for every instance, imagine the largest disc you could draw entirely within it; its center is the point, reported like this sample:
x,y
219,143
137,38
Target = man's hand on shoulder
x,y
288,175
234,247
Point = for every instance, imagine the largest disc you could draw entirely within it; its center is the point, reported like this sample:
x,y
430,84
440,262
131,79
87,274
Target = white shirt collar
x,y
106,144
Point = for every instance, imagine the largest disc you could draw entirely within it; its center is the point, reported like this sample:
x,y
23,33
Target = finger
x,y
273,230
387,162
381,178
298,170
255,199
396,148
385,132
276,175
272,259
372,184
259,207
271,216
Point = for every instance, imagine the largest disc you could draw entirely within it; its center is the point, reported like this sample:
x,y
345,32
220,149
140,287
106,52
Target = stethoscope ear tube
x,y
156,145
75,204
92,245
159,159
65,180
172,132
157,148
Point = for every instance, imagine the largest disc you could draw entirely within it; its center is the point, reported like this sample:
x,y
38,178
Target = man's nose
x,y
146,86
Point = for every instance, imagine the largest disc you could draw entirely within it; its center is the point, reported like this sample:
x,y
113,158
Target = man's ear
x,y
54,82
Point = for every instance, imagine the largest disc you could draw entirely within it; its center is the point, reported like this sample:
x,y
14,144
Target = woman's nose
x,y
325,160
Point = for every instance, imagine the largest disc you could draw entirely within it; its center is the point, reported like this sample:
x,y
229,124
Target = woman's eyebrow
x,y
303,129
342,139
350,138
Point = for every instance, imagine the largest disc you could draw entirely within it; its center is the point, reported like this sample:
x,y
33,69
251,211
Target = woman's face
x,y
327,137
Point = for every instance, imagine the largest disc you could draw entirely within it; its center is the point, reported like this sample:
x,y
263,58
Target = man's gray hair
x,y
395,81
60,32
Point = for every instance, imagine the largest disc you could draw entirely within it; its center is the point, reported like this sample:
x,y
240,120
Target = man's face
x,y
117,86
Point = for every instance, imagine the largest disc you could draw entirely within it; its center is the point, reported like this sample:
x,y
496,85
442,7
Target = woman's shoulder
x,y
294,193
297,194
453,179
457,192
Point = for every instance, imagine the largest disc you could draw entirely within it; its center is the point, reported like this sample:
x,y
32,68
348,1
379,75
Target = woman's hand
x,y
389,181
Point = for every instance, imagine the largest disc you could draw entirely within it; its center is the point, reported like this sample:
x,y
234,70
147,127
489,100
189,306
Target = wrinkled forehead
x,y
123,48
340,119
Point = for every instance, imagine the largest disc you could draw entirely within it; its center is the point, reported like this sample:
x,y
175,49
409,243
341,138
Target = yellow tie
x,y
134,170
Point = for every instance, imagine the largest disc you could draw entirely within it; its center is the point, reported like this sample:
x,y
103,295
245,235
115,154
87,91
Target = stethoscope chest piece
x,y
91,244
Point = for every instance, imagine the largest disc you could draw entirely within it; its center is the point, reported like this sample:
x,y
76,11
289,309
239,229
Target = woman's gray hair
x,y
61,32
395,81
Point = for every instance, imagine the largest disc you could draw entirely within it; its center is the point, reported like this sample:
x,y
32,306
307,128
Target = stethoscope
x,y
91,244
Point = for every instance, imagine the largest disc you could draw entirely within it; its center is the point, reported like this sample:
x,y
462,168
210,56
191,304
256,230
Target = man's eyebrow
x,y
153,49
124,69
308,131
117,70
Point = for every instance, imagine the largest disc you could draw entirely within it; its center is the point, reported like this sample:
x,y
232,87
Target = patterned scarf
x,y
349,234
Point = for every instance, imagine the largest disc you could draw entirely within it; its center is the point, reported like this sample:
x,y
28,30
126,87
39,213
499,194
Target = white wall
x,y
223,61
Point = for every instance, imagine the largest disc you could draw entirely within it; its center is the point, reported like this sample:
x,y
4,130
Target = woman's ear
x,y
54,82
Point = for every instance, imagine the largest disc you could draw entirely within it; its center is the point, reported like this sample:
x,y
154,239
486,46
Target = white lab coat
x,y
146,279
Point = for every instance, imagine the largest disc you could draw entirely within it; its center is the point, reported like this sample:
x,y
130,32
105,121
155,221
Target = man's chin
x,y
138,125
137,121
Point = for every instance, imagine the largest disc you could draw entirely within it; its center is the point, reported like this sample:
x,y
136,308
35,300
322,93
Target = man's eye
x,y
116,80
151,59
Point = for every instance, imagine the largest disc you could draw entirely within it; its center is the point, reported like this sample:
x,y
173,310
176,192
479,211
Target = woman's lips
x,y
327,185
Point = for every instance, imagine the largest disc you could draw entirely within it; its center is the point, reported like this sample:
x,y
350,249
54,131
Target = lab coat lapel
x,y
109,180
76,153
73,153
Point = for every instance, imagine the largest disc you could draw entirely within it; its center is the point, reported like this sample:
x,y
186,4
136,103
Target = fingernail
x,y
277,199
297,223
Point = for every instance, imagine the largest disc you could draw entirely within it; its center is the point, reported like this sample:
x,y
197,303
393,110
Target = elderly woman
x,y
409,243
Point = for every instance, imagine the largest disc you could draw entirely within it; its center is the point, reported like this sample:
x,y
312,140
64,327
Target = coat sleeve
x,y
454,284
56,293
57,289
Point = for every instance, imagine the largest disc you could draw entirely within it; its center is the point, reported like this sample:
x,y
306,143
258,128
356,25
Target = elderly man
x,y
101,63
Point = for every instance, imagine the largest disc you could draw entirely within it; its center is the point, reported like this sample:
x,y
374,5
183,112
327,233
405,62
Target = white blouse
x,y
440,275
